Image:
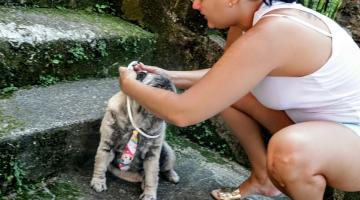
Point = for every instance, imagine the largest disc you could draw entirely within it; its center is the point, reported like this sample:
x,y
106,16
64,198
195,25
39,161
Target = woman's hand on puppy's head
x,y
151,69
125,75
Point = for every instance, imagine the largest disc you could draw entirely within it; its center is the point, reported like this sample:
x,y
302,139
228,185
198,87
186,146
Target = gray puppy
x,y
152,154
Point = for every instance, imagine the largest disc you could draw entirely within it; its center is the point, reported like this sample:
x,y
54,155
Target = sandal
x,y
226,194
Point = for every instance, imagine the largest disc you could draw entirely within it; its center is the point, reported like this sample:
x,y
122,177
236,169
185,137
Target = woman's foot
x,y
264,187
254,186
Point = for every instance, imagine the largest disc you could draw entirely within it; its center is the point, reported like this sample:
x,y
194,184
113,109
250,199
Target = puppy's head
x,y
154,80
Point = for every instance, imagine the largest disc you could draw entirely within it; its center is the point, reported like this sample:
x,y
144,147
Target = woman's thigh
x,y
272,120
327,148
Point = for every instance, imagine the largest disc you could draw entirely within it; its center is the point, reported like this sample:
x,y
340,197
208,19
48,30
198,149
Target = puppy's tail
x,y
130,176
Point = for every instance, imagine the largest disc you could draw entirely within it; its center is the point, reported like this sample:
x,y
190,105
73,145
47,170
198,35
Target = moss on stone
x,y
204,133
51,3
132,10
175,136
42,189
8,124
116,43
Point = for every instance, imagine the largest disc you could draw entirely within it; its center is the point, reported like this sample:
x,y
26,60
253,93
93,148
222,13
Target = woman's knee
x,y
287,154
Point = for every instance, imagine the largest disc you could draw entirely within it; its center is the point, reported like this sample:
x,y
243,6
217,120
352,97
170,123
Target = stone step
x,y
46,127
47,130
51,129
57,3
42,46
200,172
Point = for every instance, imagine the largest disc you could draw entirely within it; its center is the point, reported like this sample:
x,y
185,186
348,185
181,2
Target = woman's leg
x,y
244,118
304,157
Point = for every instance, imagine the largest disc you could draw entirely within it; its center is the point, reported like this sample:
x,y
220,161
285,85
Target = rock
x,y
349,18
53,4
58,133
183,39
224,132
48,128
40,45
199,175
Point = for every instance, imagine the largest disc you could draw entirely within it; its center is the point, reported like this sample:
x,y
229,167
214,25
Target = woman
x,y
293,71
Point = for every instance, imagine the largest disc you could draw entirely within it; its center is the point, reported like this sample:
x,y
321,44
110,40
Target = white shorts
x,y
354,127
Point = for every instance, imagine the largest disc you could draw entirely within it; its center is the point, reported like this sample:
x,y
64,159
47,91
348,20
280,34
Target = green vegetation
x,y
104,8
78,53
14,181
7,124
7,91
116,41
181,142
328,8
60,7
203,134
46,80
101,47
56,59
17,187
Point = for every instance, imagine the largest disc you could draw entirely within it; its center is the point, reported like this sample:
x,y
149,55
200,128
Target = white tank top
x,y
331,93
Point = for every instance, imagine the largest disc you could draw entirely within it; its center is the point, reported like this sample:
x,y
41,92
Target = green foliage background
x,y
326,7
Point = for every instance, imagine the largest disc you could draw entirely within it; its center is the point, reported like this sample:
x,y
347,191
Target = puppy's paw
x,y
98,184
172,176
144,196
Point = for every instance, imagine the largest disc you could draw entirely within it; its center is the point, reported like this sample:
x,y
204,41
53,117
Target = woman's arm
x,y
246,62
181,79
186,79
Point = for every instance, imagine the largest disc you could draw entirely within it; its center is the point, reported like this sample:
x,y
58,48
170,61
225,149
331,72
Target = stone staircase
x,y
51,133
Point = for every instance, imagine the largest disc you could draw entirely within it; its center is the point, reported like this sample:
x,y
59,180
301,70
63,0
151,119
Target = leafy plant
x,y
101,47
17,186
78,53
204,134
56,59
14,179
104,8
46,80
74,78
326,7
8,123
8,90
60,8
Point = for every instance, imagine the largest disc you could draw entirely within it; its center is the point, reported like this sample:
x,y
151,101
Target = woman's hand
x,y
151,69
126,75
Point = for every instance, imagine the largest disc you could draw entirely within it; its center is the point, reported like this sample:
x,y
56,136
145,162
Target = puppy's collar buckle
x,y
131,66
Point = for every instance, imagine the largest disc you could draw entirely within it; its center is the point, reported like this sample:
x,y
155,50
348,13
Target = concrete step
x,y
42,46
200,171
47,130
47,127
53,4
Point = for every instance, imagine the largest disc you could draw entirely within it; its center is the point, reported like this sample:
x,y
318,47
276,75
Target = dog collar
x,y
131,66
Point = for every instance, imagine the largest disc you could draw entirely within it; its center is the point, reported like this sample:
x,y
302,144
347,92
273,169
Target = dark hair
x,y
269,2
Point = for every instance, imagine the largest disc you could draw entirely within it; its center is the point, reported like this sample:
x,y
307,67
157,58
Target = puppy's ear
x,y
171,84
